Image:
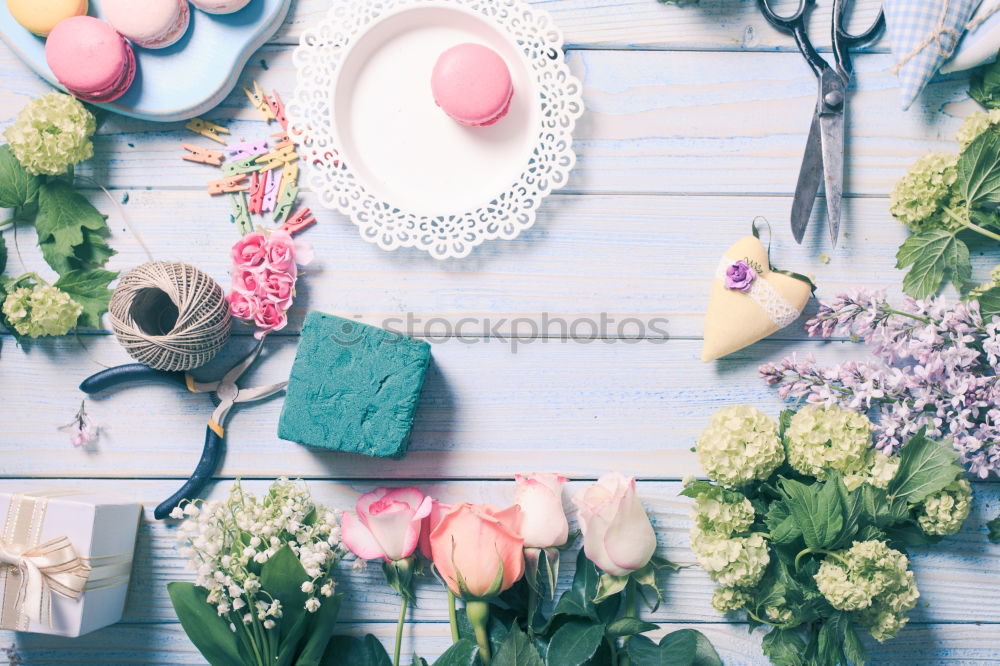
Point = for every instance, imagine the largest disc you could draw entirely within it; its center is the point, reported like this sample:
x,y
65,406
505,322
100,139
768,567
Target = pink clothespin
x,y
201,155
259,99
283,140
270,192
296,223
278,109
232,183
207,129
257,185
245,150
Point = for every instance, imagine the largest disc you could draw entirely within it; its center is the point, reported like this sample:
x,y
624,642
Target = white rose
x,y
544,521
617,534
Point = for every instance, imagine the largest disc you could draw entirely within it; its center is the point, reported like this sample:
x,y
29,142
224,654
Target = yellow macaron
x,y
40,16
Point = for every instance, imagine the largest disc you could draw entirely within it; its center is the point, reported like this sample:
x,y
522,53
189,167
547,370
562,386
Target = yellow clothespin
x,y
201,155
285,202
228,184
289,177
207,129
259,99
277,158
238,203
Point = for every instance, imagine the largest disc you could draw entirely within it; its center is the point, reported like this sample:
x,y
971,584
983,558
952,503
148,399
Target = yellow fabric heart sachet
x,y
750,299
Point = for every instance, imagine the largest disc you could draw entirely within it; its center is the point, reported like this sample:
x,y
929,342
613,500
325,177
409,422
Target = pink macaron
x,y
90,58
152,24
220,6
471,83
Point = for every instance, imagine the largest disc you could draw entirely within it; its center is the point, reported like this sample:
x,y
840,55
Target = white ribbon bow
x,y
49,567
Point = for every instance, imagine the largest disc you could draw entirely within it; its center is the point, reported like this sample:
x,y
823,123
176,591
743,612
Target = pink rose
x,y
430,522
617,534
280,252
474,542
247,280
249,250
242,306
278,288
387,523
269,317
540,497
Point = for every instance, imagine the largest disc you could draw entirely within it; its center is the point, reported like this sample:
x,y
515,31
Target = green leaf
x,y
574,643
781,524
818,513
985,85
419,661
853,649
685,647
610,586
628,626
832,635
17,186
784,647
3,254
933,256
463,653
208,630
994,530
695,488
925,467
282,577
90,289
989,303
63,217
909,534
367,651
517,650
578,600
979,170
318,630
496,629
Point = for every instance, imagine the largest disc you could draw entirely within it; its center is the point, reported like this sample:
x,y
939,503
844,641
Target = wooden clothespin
x,y
201,155
259,99
296,223
283,140
289,177
240,214
232,183
242,166
270,192
285,202
245,150
285,155
258,183
207,129
278,109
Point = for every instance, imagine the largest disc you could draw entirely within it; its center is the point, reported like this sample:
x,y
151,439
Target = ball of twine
x,y
169,315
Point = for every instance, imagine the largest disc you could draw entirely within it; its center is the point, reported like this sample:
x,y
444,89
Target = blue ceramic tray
x,y
180,81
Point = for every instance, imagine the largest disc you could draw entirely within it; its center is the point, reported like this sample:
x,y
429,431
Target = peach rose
x,y
617,534
430,522
544,521
473,543
387,523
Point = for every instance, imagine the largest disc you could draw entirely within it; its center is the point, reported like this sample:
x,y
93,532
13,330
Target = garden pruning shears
x,y
824,154
225,393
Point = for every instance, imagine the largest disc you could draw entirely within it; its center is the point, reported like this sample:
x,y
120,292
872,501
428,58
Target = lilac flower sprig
x,y
934,366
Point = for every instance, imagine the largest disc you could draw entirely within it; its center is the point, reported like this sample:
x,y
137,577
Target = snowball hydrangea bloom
x,y
879,471
919,197
51,133
854,578
944,512
739,445
975,124
728,599
821,438
722,511
44,310
731,562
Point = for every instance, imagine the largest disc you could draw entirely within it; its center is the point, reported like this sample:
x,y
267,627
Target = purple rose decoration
x,y
740,276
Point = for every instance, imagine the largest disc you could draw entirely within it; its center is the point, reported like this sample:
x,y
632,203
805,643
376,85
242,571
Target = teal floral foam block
x,y
353,387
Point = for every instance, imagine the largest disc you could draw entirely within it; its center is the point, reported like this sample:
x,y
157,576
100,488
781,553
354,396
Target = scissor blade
x,y
810,176
833,169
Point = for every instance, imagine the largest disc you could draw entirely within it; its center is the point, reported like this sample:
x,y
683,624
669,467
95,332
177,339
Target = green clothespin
x,y
285,202
240,214
242,166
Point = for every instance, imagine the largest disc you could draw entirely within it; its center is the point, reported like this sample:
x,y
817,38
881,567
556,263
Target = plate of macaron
x,y
161,60
450,120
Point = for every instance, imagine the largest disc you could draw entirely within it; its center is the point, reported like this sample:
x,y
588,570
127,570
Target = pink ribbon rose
x,y
278,288
387,523
247,280
473,543
617,534
242,306
248,251
540,497
269,317
280,252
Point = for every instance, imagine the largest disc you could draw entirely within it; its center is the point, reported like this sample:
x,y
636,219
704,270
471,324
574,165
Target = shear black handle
x,y
202,474
131,372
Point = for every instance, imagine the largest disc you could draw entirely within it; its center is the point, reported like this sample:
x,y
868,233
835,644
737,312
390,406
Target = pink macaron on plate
x,y
444,174
185,79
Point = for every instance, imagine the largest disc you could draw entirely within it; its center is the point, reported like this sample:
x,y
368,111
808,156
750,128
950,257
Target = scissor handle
x,y
202,474
796,25
843,41
130,372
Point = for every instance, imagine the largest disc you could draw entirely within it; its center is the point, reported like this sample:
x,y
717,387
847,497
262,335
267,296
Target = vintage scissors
x,y
225,393
824,154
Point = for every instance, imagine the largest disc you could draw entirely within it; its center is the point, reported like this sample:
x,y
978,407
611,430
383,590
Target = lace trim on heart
x,y
778,310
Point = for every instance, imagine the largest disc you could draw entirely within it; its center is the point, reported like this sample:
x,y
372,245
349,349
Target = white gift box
x,y
65,560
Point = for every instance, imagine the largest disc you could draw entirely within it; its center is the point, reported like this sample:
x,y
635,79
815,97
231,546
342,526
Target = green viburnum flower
x,y
944,512
880,471
977,292
868,571
728,599
919,198
722,512
976,124
779,614
887,615
739,445
44,310
822,438
51,133
731,562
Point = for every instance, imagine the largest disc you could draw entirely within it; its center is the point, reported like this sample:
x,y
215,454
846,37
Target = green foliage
x,y
934,255
574,643
517,650
994,530
989,303
925,467
985,85
686,647
463,653
18,188
367,651
979,171
89,288
207,629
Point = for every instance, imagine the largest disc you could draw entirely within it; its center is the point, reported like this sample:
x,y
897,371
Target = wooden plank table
x,y
695,123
